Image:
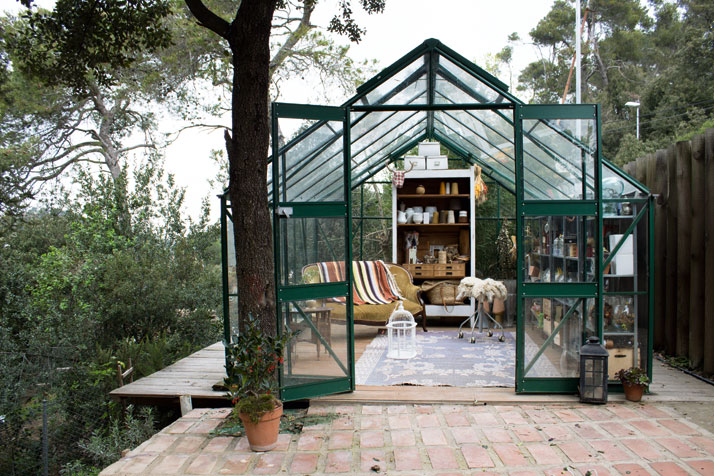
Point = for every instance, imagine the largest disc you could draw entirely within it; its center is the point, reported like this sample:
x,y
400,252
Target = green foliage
x,y
96,38
633,376
251,363
104,446
111,274
252,359
659,55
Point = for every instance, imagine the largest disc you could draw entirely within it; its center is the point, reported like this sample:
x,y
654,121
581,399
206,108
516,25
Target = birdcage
x,y
401,334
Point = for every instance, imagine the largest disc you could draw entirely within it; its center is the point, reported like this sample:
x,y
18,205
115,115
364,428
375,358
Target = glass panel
x,y
560,154
314,161
306,241
380,133
626,301
378,136
554,331
559,249
616,186
319,350
475,87
410,81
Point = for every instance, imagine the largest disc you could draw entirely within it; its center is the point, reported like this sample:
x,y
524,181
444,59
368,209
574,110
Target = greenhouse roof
x,y
434,93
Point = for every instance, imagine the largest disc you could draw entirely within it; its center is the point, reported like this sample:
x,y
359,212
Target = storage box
x,y
626,246
624,264
414,162
619,359
437,162
429,148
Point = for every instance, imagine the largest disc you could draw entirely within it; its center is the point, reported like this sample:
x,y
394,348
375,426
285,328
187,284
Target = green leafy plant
x,y
251,364
633,376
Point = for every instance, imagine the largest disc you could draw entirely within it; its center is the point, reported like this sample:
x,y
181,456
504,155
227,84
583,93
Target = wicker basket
x,y
442,292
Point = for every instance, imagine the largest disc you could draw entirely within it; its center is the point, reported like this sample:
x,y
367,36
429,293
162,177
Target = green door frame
x,y
332,209
533,208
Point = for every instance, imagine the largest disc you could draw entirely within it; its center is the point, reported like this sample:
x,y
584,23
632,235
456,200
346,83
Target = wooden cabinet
x,y
436,236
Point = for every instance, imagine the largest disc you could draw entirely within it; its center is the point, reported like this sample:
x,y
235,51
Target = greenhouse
x,y
475,162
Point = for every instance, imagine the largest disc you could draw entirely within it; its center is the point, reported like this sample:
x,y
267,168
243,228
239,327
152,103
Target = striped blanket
x,y
373,283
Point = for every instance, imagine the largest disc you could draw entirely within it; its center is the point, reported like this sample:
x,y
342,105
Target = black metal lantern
x,y
593,372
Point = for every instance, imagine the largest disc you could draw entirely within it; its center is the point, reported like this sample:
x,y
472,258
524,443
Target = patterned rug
x,y
442,360
445,360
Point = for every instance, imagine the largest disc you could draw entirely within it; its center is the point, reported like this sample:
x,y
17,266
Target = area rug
x,y
442,360
445,360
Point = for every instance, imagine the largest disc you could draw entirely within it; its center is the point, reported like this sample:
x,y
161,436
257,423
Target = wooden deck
x,y
196,374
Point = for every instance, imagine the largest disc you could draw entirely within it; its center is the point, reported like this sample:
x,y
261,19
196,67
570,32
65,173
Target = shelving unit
x,y
433,234
551,260
621,292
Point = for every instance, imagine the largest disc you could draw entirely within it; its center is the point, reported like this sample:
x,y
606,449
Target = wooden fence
x,y
683,178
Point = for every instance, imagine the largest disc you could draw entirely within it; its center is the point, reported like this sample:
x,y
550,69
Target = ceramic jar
x,y
455,188
426,217
463,216
409,212
420,190
401,217
450,217
417,218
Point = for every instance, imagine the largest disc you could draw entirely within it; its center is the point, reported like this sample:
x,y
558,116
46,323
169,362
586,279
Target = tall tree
x,y
248,38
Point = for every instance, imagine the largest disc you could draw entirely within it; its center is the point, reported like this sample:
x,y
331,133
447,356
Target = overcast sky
x,y
473,28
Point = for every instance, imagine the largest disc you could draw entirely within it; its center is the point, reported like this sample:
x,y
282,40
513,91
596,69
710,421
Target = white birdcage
x,y
401,334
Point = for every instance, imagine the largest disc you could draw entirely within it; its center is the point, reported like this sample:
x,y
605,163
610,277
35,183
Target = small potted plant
x,y
251,364
634,381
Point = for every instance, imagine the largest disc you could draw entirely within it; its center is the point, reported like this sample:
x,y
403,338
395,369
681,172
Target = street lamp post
x,y
636,105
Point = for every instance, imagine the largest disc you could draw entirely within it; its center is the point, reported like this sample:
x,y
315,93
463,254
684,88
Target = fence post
x,y
659,186
684,237
696,253
45,448
671,258
708,366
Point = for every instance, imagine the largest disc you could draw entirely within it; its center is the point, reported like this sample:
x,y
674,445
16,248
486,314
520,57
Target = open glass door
x,y
560,249
311,226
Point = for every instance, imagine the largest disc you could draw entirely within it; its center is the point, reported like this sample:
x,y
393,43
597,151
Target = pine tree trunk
x,y
247,148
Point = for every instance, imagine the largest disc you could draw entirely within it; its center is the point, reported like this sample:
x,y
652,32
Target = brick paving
x,y
442,440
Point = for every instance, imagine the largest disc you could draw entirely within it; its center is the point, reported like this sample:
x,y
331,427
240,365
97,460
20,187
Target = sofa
x,y
378,314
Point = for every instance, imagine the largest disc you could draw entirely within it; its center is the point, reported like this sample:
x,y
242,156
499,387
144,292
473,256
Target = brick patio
x,y
617,439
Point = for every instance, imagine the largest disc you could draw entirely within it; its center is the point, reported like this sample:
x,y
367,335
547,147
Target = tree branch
x,y
303,28
207,19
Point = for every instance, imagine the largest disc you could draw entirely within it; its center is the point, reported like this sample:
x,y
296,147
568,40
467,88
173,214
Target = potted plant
x,y
634,381
251,363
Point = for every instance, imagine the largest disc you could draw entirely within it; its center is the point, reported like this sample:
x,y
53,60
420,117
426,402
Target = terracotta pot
x,y
633,391
263,436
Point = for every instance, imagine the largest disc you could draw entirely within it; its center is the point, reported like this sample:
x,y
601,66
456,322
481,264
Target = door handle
x,y
285,211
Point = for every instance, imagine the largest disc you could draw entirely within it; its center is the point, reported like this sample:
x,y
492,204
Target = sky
x,y
473,28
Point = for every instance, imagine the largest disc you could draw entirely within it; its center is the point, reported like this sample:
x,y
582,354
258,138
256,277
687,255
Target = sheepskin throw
x,y
484,290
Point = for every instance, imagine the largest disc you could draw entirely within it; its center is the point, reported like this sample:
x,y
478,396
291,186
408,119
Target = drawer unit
x,y
428,271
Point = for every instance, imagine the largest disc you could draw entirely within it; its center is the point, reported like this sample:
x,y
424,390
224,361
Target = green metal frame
x,y
287,293
526,208
394,111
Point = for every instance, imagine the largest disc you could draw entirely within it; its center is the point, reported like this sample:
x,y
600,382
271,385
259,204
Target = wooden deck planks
x,y
196,374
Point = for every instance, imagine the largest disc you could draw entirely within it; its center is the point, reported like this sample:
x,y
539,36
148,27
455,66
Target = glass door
x,y
559,238
311,225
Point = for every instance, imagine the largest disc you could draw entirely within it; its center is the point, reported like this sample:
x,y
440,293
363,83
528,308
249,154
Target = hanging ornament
x,y
398,175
